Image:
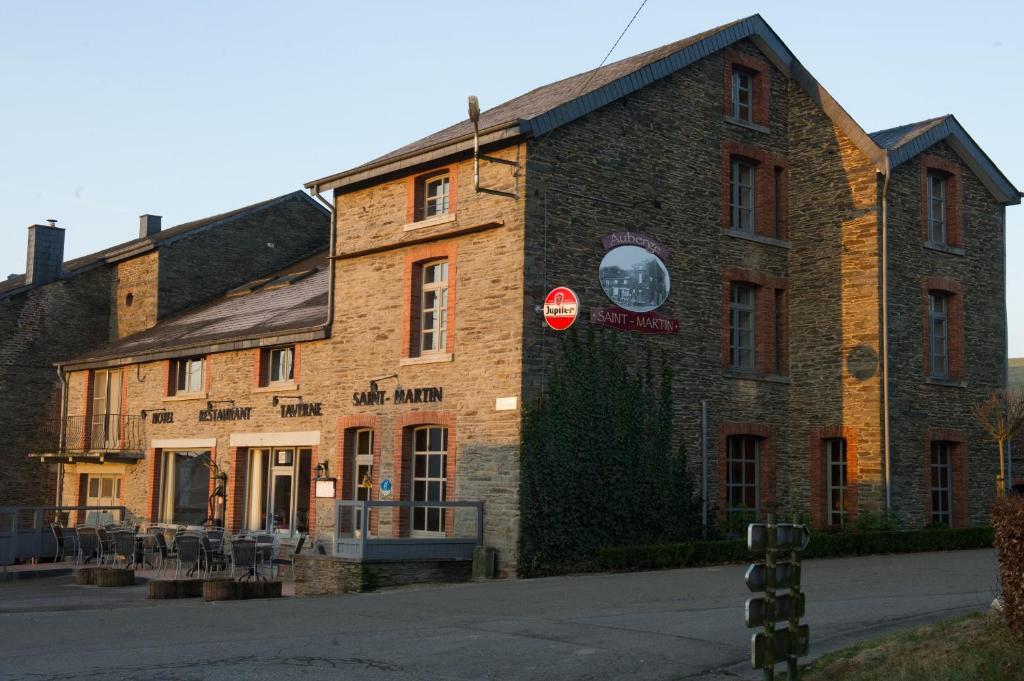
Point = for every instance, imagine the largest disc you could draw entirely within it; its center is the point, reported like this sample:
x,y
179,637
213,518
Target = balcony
x,y
120,437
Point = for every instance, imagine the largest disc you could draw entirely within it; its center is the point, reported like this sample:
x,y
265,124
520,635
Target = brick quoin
x,y
415,258
346,462
819,473
954,199
156,456
766,464
313,461
87,408
958,474
234,512
765,342
296,361
769,220
257,367
414,191
954,330
760,83
404,424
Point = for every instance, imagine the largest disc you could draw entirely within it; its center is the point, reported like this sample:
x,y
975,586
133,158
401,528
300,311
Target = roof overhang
x,y
112,456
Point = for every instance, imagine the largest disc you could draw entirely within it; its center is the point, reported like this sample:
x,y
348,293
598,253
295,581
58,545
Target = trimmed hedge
x,y
1008,520
823,545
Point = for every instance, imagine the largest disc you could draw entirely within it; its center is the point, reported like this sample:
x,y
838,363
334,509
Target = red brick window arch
x,y
943,329
425,469
941,202
753,299
428,326
359,459
833,476
746,87
945,477
754,192
746,467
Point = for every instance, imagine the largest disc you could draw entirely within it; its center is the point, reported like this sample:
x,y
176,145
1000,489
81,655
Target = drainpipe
x,y
886,453
63,432
704,465
315,193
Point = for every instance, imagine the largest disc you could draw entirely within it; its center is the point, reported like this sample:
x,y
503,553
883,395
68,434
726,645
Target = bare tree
x,y
1002,417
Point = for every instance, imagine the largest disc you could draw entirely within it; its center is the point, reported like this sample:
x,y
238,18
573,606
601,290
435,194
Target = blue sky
x,y
187,109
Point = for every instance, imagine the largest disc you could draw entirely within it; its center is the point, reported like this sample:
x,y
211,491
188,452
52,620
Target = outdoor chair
x,y
160,549
243,557
290,560
124,545
188,550
106,545
70,535
213,557
58,536
88,544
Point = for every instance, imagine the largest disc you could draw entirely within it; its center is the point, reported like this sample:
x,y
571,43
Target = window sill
x,y
943,248
429,222
276,388
751,376
186,397
767,240
747,124
946,382
432,358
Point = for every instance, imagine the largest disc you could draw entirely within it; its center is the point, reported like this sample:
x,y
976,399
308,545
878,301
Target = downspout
x,y
63,433
704,465
886,453
315,193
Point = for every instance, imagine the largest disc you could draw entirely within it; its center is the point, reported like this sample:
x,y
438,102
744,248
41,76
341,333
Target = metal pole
x,y
769,598
792,666
704,465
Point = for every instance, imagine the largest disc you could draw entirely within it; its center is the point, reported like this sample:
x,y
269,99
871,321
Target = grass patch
x,y
972,648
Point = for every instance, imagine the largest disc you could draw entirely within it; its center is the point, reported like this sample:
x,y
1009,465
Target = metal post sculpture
x,y
769,646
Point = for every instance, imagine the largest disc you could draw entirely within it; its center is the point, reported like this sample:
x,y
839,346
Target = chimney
x,y
45,262
148,225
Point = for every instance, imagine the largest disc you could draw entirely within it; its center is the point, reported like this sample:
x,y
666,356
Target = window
x,y
435,196
433,320
186,487
742,95
363,475
429,477
938,324
281,365
742,192
941,483
836,475
103,490
742,488
278,490
741,331
187,375
936,201
105,419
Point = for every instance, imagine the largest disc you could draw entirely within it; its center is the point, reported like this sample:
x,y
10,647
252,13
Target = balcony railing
x,y
96,433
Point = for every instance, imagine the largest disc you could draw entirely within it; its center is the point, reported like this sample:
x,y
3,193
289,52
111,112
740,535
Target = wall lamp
x,y
277,398
210,403
146,412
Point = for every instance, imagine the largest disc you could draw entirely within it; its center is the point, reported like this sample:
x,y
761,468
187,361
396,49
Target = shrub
x,y
1008,523
823,545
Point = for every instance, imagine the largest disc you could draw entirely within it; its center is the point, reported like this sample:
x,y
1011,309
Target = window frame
x,y
941,491
738,74
288,353
832,447
737,190
181,372
438,330
731,484
736,331
169,479
441,479
939,319
938,207
441,201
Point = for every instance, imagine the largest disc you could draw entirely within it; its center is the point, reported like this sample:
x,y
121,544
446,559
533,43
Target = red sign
x,y
560,308
641,322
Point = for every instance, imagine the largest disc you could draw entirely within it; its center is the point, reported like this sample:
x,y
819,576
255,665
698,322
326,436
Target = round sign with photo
x,y
561,306
634,278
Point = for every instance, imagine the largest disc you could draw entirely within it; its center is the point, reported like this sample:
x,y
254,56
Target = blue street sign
x,y
385,487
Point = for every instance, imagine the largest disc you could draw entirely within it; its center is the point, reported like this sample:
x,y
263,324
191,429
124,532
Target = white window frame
x,y
189,375
941,489
105,427
281,363
742,339
99,498
433,336
437,203
836,465
938,326
168,480
937,189
362,445
743,195
418,529
734,442
743,111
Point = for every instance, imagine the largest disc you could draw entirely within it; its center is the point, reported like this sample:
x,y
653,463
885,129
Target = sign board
x,y
325,488
757,536
641,322
786,575
784,643
561,306
385,487
757,611
787,536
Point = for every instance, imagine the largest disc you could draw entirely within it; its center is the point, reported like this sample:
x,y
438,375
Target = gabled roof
x,y
907,141
546,108
290,303
164,237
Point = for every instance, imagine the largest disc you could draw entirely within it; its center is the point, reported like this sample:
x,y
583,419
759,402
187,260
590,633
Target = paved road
x,y
676,624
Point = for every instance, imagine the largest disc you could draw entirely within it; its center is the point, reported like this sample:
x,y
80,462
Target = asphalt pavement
x,y
672,625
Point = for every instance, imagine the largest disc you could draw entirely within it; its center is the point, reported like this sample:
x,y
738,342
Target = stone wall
x,y
317,575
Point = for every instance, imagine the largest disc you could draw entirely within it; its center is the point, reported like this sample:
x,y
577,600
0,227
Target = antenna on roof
x,y
474,115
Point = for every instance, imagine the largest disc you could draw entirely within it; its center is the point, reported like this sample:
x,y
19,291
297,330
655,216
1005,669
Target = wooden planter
x,y
175,588
227,590
220,590
87,575
115,577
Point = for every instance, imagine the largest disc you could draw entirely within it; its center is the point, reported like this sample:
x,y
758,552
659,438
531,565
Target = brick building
x,y
832,298
58,309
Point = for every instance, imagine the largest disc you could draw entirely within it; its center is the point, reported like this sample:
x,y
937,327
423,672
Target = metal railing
x,y
25,532
362,532
97,433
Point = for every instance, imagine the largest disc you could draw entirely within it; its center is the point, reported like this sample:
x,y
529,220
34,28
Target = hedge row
x,y
823,545
1008,521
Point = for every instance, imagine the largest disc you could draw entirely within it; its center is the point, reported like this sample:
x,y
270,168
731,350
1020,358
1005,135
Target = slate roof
x,y
272,307
165,236
1016,373
893,138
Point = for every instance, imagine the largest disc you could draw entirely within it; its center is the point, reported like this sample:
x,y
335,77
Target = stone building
x,y
59,309
834,305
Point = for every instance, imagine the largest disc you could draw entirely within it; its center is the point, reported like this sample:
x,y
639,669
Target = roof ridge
x,y
912,123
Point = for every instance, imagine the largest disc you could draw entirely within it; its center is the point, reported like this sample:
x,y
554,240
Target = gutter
x,y
886,452
331,265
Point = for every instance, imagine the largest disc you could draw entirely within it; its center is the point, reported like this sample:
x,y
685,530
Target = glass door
x,y
363,476
429,479
106,406
281,483
279,488
103,490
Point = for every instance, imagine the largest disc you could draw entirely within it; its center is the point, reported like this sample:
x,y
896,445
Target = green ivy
x,y
597,463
